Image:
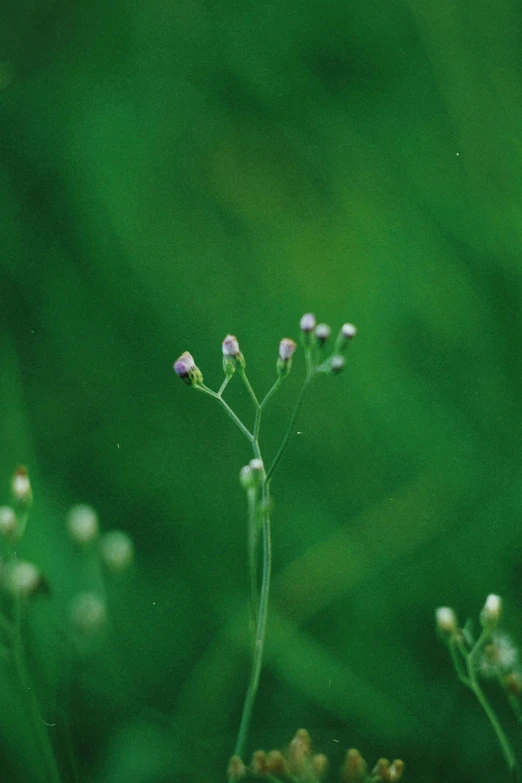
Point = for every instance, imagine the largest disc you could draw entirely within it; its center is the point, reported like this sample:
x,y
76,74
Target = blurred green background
x,y
172,172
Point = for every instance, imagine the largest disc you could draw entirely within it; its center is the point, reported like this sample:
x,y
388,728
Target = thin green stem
x,y
41,734
459,664
290,429
252,553
237,421
224,385
257,660
472,683
249,388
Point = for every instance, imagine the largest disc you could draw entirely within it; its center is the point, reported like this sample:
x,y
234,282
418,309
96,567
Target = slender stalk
x,y
249,388
289,431
257,659
237,421
224,385
252,553
41,734
473,684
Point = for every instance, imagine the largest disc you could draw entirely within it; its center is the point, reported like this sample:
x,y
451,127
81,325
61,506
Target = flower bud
x,y
22,579
88,613
299,752
307,324
82,524
381,771
117,550
337,363
346,334
7,523
354,767
232,356
320,766
21,488
186,369
396,770
491,612
446,620
322,333
286,351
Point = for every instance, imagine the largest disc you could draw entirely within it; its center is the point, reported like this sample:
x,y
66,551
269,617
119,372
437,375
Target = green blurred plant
x,y
491,655
22,582
256,477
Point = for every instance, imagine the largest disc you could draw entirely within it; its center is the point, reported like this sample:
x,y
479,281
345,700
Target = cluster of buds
x,y
13,518
115,547
300,764
317,335
312,335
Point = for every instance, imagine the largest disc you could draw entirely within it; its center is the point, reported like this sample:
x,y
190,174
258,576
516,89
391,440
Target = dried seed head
x,y
276,763
446,620
186,369
22,579
117,550
7,522
354,768
320,766
82,524
236,769
259,765
299,752
381,771
491,611
396,770
322,333
88,613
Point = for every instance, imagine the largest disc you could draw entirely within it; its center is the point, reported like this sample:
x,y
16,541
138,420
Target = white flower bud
x,y
286,349
230,346
232,356
307,322
21,487
446,620
245,477
82,524
88,613
348,331
492,610
7,522
22,578
117,550
337,363
322,333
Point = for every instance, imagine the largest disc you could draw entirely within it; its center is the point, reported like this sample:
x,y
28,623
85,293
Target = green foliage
x,y
175,171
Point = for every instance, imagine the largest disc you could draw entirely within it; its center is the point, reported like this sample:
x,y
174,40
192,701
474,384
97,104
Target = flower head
x,y
232,356
286,349
322,333
307,322
498,657
21,488
446,620
491,611
186,369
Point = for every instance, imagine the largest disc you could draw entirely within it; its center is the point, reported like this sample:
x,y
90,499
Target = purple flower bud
x,y
231,346
286,349
307,322
186,369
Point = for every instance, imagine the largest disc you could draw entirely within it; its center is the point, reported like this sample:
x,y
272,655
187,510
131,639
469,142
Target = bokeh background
x,y
172,172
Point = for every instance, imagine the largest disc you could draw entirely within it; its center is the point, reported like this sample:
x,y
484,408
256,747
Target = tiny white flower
x,y
230,346
348,331
492,610
117,550
88,612
446,620
82,524
7,521
307,322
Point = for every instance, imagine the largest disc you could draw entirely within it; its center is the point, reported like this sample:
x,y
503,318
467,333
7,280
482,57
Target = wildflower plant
x,y
490,656
256,477
23,584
